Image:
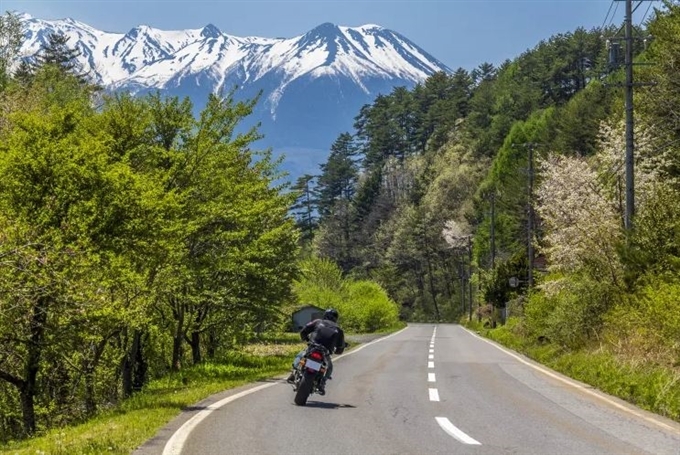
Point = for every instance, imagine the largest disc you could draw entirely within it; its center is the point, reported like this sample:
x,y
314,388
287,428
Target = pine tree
x,y
24,73
305,208
56,52
339,175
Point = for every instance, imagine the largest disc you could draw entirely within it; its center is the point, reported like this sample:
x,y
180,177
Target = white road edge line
x,y
430,364
578,386
176,442
434,395
452,430
431,377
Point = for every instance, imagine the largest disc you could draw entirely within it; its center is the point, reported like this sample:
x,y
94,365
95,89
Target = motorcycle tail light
x,y
316,355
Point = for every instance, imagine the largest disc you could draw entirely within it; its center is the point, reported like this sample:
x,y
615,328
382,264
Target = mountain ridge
x,y
312,84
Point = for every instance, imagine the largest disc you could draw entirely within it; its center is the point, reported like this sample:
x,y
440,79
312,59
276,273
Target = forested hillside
x,y
402,198
446,193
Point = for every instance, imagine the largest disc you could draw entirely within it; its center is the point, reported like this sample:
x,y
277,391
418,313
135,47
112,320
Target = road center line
x,y
430,364
434,395
431,351
452,430
430,356
430,377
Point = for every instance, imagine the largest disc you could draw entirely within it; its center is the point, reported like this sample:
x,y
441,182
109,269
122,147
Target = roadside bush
x,y
569,311
647,325
363,305
372,305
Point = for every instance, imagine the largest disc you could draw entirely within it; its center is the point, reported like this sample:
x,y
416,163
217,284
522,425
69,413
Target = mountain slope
x,y
311,85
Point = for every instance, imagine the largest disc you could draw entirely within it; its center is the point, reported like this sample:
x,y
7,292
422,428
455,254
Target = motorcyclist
x,y
327,333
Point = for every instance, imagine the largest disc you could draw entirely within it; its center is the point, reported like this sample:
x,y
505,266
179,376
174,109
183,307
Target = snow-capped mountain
x,y
312,85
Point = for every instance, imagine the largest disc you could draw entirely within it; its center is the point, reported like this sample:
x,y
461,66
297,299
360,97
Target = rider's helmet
x,y
331,314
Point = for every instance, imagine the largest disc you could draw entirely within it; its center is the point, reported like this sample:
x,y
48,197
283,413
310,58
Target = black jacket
x,y
326,333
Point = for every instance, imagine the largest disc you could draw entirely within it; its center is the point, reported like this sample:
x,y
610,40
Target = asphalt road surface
x,y
428,389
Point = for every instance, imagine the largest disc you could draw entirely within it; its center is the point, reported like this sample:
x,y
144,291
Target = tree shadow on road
x,y
325,405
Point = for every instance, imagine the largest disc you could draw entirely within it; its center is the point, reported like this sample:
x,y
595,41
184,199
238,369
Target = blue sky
x,y
460,33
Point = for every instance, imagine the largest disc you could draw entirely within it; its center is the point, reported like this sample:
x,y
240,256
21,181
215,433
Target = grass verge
x,y
653,387
138,419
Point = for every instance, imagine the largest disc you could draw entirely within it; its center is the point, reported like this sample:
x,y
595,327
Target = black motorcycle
x,y
309,372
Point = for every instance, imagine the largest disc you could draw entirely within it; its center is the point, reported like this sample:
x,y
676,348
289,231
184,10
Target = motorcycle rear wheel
x,y
304,388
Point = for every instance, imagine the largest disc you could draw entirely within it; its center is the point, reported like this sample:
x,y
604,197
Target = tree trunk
x,y
88,374
211,347
432,290
27,395
178,339
90,402
133,368
32,366
126,367
196,347
139,366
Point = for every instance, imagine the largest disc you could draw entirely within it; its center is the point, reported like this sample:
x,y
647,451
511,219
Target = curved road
x,y
429,389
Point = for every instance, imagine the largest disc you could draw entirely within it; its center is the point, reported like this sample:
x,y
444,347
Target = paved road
x,y
429,389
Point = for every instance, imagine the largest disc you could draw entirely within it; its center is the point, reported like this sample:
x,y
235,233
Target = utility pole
x,y
530,222
630,119
530,146
492,230
470,275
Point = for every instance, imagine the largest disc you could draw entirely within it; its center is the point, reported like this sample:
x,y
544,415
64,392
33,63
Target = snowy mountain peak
x,y
327,29
211,31
324,75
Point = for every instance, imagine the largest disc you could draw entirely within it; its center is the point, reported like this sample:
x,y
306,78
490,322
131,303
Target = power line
x,y
646,12
607,16
616,8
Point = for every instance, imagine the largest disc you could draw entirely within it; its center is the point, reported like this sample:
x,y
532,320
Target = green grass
x,y
121,430
653,387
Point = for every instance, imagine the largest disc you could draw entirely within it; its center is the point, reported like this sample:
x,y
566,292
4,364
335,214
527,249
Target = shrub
x,y
375,310
363,305
647,325
569,311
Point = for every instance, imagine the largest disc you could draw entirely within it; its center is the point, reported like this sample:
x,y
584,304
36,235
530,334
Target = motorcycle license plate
x,y
312,365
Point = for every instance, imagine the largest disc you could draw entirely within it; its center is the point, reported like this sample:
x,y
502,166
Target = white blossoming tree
x,y
582,227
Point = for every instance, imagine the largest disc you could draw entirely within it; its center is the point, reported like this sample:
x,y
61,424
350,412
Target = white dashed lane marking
x,y
452,430
444,422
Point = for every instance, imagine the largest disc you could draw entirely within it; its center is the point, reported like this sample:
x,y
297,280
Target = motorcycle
x,y
309,372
